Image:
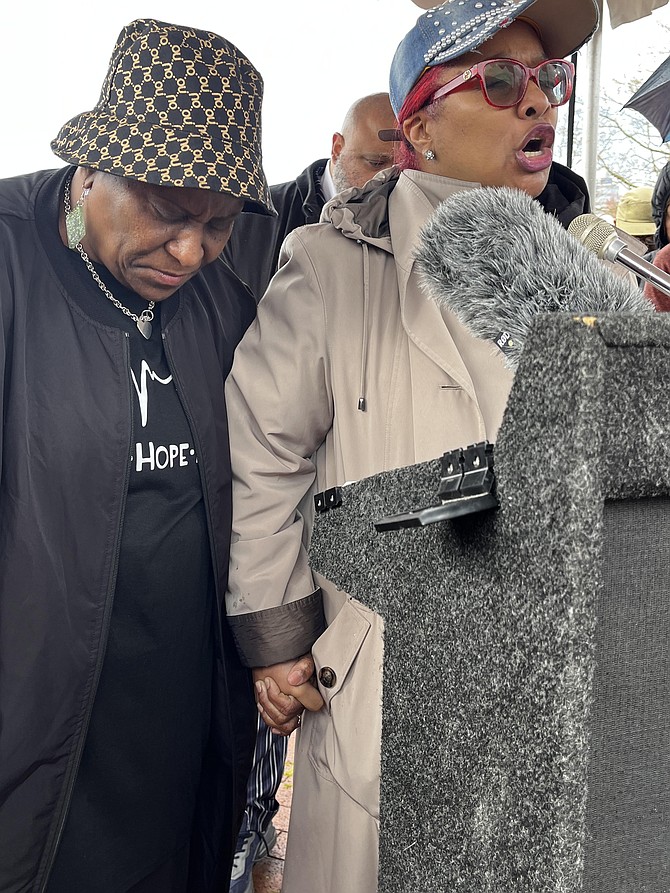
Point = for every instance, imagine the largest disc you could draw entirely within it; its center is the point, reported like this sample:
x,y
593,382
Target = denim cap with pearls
x,y
456,27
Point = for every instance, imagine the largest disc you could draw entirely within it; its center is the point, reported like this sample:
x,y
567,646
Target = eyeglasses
x,y
504,81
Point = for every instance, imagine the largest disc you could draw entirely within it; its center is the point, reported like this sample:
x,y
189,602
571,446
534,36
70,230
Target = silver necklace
x,y
143,321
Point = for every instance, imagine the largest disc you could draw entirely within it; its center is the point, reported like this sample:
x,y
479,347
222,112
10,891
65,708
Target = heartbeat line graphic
x,y
142,393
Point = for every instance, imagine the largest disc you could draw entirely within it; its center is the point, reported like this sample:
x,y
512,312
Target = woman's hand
x,y
284,690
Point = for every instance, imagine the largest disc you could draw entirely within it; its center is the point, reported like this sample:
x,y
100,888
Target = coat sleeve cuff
x,y
278,634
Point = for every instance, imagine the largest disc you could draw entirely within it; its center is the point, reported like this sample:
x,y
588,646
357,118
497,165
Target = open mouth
x,y
538,140
533,148
536,153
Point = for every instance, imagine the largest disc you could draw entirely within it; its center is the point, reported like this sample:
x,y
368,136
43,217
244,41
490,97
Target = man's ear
x,y
336,149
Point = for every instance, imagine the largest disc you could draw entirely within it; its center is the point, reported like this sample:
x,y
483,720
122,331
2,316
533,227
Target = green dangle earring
x,y
75,225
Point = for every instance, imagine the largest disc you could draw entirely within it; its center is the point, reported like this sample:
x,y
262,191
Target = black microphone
x,y
604,240
495,258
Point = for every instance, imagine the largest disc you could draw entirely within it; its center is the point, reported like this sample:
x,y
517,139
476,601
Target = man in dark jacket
x,y
660,202
357,154
127,722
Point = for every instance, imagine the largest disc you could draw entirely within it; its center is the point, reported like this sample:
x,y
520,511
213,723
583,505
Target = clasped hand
x,y
284,690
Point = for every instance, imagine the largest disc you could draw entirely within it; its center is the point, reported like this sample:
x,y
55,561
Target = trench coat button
x,y
327,677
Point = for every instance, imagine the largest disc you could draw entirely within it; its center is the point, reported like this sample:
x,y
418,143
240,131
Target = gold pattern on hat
x,y
178,107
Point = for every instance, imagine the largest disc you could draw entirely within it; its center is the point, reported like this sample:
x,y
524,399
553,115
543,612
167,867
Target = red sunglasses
x,y
504,81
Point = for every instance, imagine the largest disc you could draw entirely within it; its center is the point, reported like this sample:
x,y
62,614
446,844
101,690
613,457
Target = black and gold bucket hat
x,y
178,107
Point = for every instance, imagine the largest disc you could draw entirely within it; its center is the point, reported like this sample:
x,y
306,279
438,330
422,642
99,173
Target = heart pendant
x,y
144,326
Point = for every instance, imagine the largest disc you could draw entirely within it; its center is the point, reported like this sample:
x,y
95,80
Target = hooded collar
x,y
362,212
566,194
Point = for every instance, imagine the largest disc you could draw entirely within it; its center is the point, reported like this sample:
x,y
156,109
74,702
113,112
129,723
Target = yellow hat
x,y
633,213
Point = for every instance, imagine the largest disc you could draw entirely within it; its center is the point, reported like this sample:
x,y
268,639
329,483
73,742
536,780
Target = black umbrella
x,y
653,100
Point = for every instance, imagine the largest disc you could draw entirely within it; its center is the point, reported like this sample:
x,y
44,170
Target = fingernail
x,y
259,687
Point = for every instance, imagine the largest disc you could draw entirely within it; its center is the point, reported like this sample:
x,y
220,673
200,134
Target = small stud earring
x,y
429,155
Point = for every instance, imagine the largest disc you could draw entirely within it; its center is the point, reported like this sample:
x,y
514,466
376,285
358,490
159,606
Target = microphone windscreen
x,y
496,259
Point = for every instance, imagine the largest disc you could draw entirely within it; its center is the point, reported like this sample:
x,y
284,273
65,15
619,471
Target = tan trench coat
x,y
344,319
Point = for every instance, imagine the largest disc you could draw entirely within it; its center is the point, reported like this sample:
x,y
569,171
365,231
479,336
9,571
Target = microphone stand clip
x,y
467,485
328,499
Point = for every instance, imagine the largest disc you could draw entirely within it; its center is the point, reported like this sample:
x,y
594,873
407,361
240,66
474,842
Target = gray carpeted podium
x,y
526,705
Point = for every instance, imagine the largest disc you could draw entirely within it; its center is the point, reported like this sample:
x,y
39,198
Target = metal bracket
x,y
467,485
328,499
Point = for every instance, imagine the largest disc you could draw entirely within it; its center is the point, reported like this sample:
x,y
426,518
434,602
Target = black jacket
x,y
566,194
65,443
659,202
253,248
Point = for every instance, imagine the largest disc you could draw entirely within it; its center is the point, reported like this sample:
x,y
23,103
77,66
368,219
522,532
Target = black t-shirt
x,y
134,796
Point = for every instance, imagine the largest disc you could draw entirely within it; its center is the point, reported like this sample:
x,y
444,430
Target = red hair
x,y
417,98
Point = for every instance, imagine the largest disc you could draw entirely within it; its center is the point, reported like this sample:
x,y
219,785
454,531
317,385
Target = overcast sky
x,y
315,58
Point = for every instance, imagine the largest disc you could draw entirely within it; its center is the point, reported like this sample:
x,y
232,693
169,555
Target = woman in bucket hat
x,y
349,370
127,719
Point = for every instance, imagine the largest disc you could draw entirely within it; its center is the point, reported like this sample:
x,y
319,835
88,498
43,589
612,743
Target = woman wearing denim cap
x,y
127,721
349,370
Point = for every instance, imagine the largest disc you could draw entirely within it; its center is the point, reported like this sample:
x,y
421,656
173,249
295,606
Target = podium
x,y
526,679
